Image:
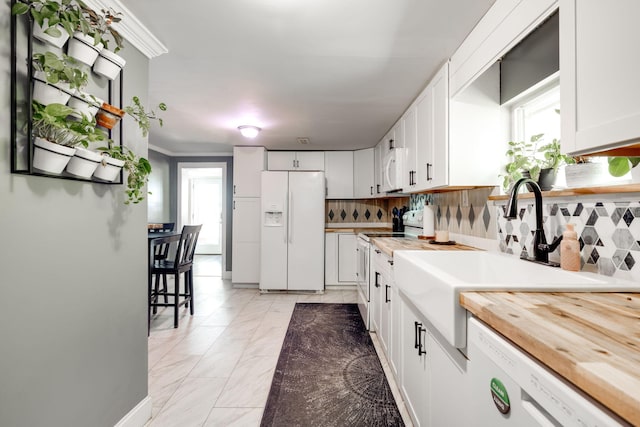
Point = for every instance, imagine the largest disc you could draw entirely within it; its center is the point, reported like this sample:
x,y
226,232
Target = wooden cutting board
x,y
590,339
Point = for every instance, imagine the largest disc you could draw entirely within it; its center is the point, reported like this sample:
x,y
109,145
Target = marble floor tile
x,y
234,417
191,403
249,384
216,368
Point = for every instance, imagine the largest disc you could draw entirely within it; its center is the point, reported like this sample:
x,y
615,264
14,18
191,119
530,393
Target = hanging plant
x,y
138,169
142,117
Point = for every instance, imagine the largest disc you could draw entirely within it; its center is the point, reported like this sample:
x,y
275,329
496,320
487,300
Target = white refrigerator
x,y
292,231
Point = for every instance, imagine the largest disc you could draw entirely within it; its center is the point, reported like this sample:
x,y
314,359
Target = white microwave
x,y
393,169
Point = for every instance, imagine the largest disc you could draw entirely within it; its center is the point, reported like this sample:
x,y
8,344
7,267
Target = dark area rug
x,y
328,373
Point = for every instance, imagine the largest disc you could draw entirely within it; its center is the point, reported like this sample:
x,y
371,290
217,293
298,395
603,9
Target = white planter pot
x,y
50,157
108,64
46,93
108,169
83,163
85,103
81,48
591,175
58,42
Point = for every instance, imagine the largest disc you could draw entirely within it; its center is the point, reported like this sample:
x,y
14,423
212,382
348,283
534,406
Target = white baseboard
x,y
138,416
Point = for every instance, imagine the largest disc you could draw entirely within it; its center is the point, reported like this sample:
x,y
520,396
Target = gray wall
x,y
158,202
229,208
73,323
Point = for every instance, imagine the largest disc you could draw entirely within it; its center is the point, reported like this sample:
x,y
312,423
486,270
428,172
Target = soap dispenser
x,y
570,250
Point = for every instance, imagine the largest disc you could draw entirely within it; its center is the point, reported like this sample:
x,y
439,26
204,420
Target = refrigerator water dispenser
x,y
273,216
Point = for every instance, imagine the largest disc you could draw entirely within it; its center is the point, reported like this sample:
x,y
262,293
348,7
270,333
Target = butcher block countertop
x,y
590,339
390,244
356,230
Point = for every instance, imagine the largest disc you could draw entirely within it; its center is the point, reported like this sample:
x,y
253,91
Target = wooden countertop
x,y
590,339
356,230
390,244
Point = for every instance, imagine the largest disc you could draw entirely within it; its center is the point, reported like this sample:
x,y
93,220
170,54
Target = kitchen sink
x,y
433,280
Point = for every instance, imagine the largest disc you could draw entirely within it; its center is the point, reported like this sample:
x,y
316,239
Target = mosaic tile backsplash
x,y
362,210
608,232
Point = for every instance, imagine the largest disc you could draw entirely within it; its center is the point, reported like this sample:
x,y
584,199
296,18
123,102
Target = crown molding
x,y
131,28
188,154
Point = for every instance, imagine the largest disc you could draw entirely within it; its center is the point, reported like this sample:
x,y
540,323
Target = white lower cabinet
x,y
341,260
414,379
449,383
245,248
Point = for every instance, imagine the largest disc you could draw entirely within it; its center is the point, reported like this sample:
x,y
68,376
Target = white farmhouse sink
x,y
433,280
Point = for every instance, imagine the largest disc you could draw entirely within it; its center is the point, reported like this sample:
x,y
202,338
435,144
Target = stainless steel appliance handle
x,y
290,217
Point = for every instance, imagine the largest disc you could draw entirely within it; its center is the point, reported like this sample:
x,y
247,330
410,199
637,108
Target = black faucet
x,y
540,247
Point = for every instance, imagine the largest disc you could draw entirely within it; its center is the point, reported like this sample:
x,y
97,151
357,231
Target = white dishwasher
x,y
509,388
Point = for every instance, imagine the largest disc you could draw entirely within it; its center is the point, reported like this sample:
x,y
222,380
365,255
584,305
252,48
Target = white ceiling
x,y
339,72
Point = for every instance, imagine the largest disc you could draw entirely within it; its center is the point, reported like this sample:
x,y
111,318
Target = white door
x,y
274,224
201,198
306,231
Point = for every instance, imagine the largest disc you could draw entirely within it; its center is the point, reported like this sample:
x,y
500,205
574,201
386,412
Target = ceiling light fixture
x,y
249,131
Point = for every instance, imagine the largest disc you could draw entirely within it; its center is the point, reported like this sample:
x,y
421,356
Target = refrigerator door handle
x,y
285,230
289,217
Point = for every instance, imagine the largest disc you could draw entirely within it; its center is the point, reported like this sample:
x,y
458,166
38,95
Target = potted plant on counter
x,y
553,159
621,165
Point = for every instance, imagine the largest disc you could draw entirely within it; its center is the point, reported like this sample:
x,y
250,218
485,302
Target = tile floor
x,y
216,368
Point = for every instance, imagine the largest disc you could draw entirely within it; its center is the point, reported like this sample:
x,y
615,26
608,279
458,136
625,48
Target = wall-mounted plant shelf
x,y
23,141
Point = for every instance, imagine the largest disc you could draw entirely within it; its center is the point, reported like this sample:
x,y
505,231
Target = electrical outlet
x,y
465,198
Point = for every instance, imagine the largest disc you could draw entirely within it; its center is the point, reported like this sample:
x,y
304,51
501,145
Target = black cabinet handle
x,y
234,204
390,261
378,251
372,190
391,141
377,282
429,165
421,345
378,188
386,293
234,189
417,325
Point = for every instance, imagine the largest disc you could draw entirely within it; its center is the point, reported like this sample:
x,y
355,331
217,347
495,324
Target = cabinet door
x,y
414,378
599,59
347,258
375,289
395,361
281,160
310,160
449,382
440,85
245,245
363,173
248,163
424,140
339,174
331,259
380,150
397,137
409,121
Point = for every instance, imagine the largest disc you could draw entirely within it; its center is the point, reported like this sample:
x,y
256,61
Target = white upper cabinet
x,y
248,163
440,85
339,174
409,120
295,160
599,62
379,153
424,140
363,173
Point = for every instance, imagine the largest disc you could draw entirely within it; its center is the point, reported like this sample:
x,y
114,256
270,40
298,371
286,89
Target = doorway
x,y
201,200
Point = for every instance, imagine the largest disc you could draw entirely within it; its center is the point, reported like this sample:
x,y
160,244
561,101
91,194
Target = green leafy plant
x,y
522,159
138,169
619,166
50,123
48,14
56,69
553,157
100,26
142,117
